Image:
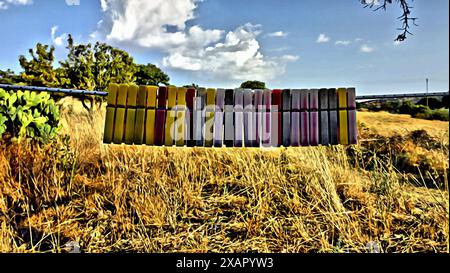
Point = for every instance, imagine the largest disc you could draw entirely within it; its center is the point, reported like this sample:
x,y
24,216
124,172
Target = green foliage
x,y
87,67
39,71
433,103
423,112
420,111
94,67
150,74
28,115
445,101
196,86
406,107
9,77
440,114
253,85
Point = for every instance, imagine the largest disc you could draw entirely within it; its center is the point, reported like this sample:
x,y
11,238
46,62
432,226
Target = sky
x,y
221,43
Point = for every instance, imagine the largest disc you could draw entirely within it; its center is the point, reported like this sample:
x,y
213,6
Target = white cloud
x,y
366,48
280,34
358,39
372,2
5,4
397,43
161,25
322,38
237,57
146,22
57,40
104,5
345,43
289,58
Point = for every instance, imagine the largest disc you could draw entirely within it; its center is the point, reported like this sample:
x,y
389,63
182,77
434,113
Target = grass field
x,y
388,194
386,124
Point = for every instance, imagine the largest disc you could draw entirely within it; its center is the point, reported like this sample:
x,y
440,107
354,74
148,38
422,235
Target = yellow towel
x,y
343,126
110,113
150,117
119,122
209,116
130,113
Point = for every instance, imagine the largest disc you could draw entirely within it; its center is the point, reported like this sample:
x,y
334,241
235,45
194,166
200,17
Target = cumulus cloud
x,y
322,38
366,48
158,23
57,40
345,43
5,4
162,25
280,34
237,57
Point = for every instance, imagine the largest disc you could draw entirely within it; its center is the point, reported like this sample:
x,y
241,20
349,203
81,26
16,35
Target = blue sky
x,y
218,43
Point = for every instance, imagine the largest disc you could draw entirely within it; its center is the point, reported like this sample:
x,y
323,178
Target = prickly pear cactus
x,y
28,115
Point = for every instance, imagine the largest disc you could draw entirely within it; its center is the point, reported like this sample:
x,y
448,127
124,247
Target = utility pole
x,y
427,89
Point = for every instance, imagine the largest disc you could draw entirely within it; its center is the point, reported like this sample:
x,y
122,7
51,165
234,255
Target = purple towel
x,y
314,128
295,129
314,117
258,117
266,118
304,131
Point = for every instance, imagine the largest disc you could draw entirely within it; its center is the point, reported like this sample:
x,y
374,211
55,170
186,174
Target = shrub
x,y
440,114
391,106
421,111
406,107
28,115
445,101
433,103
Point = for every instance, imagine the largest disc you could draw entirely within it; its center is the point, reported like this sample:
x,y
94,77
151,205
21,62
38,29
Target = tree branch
x,y
405,18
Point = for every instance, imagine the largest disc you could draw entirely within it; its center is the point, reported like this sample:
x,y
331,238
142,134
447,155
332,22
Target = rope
x,y
54,90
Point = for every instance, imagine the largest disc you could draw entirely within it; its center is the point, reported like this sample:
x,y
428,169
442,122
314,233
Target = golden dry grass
x,y
387,124
153,199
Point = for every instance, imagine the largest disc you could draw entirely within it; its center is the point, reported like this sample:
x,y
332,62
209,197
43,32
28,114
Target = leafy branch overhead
x,y
406,18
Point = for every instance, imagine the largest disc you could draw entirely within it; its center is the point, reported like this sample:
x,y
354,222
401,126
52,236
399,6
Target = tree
x,y
150,74
405,18
38,71
253,85
95,67
445,101
433,103
196,86
9,77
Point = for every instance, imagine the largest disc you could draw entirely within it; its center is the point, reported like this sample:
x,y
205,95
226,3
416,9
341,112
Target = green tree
x,y
9,77
253,85
150,74
446,101
94,67
433,103
196,86
39,71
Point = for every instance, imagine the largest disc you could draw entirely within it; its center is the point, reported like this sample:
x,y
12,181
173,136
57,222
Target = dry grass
x,y
155,199
387,124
